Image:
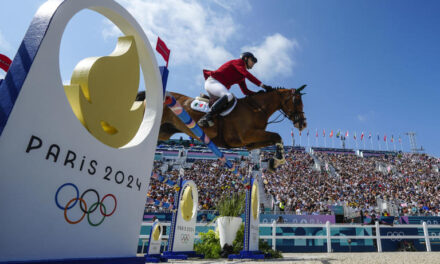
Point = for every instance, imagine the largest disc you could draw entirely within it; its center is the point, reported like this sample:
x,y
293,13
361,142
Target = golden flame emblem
x,y
156,232
254,200
102,94
187,204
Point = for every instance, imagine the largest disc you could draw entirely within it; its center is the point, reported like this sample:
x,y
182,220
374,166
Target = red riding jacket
x,y
233,72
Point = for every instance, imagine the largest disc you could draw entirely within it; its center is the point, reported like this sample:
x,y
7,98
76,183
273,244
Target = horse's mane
x,y
270,91
275,89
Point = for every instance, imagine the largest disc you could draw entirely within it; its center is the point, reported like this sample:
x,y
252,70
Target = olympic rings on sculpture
x,y
83,205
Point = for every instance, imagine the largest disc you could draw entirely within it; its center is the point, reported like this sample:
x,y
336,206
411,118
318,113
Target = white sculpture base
x,y
228,227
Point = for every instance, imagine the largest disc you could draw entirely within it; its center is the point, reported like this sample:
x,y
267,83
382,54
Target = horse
x,y
246,125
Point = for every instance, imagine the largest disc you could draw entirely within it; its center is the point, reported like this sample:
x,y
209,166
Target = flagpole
x,y
293,139
364,144
300,139
379,144
387,146
355,140
316,138
401,147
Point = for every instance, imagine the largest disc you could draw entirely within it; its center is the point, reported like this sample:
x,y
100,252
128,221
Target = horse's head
x,y
292,106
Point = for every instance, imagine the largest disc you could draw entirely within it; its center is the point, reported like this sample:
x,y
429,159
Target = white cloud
x,y
274,56
362,118
4,45
234,5
195,33
366,116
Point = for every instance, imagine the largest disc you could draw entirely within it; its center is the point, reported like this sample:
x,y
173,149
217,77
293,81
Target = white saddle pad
x,y
202,105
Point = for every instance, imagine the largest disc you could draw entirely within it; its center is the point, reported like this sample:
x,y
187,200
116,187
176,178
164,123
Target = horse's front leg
x,y
262,139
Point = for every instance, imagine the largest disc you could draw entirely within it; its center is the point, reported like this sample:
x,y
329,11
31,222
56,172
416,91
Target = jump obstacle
x,y
44,145
38,97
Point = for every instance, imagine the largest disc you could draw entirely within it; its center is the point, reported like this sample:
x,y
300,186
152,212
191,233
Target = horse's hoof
x,y
205,123
279,162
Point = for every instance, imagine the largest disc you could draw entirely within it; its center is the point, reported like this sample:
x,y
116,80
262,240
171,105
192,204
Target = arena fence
x,y
328,237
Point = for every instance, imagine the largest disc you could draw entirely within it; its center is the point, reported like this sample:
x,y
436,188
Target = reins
x,y
281,114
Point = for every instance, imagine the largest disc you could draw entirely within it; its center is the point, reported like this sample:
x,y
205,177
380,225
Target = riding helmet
x,y
247,54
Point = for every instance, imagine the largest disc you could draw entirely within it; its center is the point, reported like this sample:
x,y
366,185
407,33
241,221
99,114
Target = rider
x,y
218,83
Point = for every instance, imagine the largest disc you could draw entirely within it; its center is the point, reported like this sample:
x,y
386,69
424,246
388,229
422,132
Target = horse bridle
x,y
290,116
294,115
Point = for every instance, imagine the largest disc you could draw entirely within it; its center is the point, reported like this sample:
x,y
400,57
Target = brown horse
x,y
245,126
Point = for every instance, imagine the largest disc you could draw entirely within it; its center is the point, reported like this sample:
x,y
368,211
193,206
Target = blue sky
x,y
371,66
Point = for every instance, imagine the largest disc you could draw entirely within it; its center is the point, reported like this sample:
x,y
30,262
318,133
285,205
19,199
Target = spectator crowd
x,y
313,183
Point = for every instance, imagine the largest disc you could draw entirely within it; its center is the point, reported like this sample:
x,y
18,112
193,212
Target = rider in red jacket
x,y
218,83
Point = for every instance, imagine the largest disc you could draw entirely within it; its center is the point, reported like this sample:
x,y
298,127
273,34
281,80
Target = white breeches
x,y
214,87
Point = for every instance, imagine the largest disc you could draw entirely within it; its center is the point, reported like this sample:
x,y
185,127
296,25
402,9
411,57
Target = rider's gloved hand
x,y
266,87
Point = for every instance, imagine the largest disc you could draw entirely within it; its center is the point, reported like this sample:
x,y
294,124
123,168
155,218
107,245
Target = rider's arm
x,y
242,69
244,88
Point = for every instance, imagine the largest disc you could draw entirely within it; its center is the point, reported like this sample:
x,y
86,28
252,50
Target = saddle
x,y
204,102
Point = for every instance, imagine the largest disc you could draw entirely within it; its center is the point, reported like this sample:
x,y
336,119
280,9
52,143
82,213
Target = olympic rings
x,y
82,196
83,205
184,238
101,204
66,208
56,195
395,233
103,215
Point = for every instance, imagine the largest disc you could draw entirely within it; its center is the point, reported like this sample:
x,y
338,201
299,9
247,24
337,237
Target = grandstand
x,y
314,181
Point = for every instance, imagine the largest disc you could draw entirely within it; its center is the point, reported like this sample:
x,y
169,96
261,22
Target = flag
x,y
378,138
392,138
400,139
362,136
346,134
299,133
307,132
354,136
163,50
316,132
291,133
385,138
338,134
323,132
331,133
5,62
369,136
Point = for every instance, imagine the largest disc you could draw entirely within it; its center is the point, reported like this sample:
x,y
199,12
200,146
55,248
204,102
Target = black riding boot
x,y
216,108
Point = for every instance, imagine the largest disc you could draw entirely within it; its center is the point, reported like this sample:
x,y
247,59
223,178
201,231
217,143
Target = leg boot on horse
x,y
278,159
216,108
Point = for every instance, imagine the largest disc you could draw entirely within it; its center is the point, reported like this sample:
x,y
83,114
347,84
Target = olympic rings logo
x,y
184,238
83,205
395,233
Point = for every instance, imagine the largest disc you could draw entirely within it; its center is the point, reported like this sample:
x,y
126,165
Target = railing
x,y
327,226
329,237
